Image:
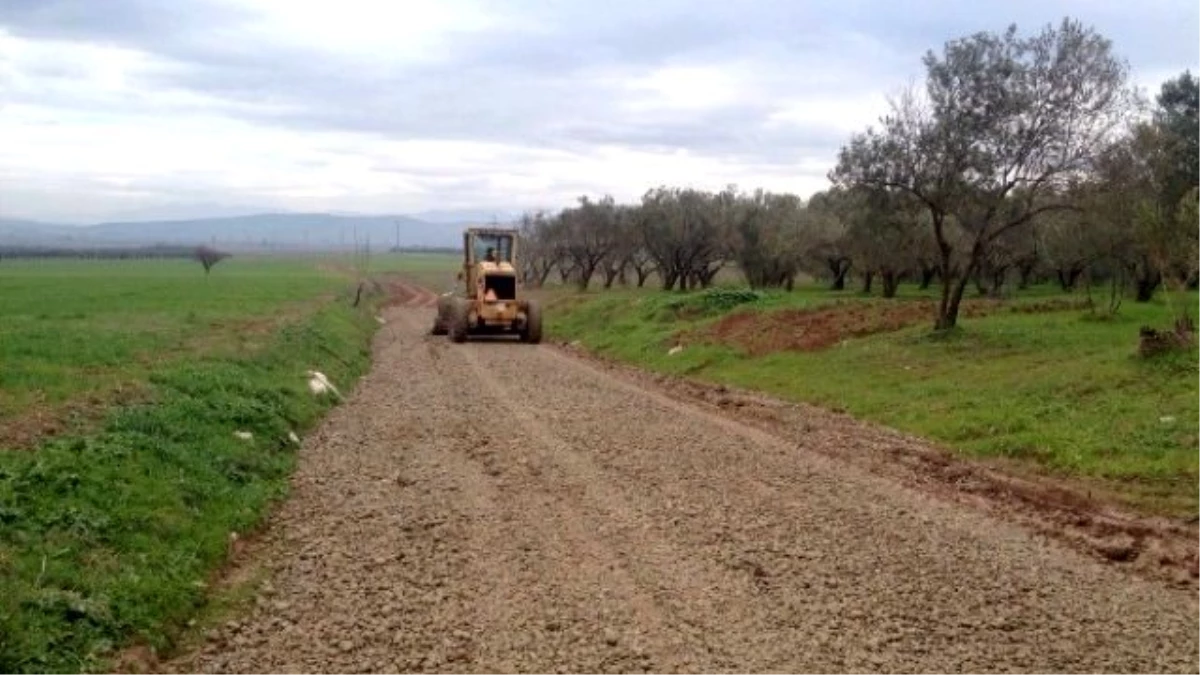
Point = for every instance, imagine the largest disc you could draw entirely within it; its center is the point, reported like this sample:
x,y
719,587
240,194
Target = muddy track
x,y
499,507
403,293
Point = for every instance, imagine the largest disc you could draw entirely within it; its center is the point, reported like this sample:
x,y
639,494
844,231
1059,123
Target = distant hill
x,y
266,231
189,211
478,216
31,232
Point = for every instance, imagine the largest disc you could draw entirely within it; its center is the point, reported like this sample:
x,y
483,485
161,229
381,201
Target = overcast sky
x,y
115,107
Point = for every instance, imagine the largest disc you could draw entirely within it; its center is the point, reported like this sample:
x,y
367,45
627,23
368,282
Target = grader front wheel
x,y
459,318
439,328
440,319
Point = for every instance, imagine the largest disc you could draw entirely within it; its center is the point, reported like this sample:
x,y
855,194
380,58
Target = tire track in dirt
x,y
406,294
544,561
1154,547
837,515
604,526
497,506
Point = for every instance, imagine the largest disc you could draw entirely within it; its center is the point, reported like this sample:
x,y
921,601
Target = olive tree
x,y
1177,114
1070,241
883,235
538,255
828,249
1004,123
589,236
769,239
683,232
626,251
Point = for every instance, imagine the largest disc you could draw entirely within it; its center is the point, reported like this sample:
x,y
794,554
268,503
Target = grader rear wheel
x,y
531,332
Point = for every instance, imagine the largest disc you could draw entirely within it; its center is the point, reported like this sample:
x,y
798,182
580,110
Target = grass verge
x,y
107,538
1054,392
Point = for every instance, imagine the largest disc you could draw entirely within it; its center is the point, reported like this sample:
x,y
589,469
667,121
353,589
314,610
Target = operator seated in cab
x,y
489,256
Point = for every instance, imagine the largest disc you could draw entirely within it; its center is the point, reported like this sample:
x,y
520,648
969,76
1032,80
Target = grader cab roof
x,y
491,230
477,241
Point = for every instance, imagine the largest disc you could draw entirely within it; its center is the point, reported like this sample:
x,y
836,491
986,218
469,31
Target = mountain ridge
x,y
260,231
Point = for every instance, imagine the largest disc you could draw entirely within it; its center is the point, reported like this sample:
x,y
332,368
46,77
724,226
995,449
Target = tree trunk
x,y
1146,290
642,275
952,293
891,283
1147,283
669,278
585,276
1116,292
927,275
953,288
868,280
998,278
839,268
1026,275
980,287
1067,278
610,275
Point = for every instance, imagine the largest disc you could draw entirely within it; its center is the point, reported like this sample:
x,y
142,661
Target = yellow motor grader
x,y
489,305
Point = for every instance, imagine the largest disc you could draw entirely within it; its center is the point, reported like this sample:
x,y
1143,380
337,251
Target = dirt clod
x,y
1121,550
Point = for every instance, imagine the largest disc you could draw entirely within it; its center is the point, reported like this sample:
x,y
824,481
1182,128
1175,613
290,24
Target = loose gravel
x,y
500,507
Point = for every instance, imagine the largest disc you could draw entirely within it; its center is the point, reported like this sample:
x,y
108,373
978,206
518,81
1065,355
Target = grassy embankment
x,y
121,386
1050,391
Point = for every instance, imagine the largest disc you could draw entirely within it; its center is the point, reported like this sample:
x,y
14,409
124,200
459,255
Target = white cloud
x,y
684,88
846,115
409,32
124,160
381,106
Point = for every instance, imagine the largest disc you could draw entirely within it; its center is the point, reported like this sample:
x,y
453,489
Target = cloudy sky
x,y
112,108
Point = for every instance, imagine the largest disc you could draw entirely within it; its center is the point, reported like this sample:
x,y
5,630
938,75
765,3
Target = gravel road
x,y
501,507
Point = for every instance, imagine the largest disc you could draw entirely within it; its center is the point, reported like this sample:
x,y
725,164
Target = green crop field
x,y
121,386
77,327
434,271
1048,389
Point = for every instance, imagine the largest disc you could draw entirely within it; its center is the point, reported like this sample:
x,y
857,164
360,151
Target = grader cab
x,y
489,303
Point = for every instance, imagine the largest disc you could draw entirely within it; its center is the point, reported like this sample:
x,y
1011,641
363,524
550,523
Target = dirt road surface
x,y
502,507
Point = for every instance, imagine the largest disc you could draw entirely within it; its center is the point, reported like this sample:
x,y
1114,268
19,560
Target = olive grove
x,y
1023,159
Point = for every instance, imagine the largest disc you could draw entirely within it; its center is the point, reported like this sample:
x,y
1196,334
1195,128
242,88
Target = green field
x,y
121,386
1054,392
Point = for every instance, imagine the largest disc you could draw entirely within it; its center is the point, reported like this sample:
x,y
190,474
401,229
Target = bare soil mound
x,y
759,333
